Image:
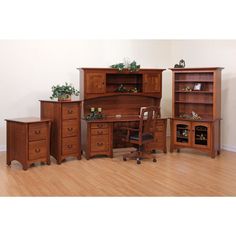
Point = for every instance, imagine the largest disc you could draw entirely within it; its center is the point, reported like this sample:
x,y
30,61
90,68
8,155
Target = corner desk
x,y
101,136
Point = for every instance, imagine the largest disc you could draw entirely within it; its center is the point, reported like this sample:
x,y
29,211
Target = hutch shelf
x,y
196,91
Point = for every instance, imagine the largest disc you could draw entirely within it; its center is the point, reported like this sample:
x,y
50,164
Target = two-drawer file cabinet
x,y
65,135
28,141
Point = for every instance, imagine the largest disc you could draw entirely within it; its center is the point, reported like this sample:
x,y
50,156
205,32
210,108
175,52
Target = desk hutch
x,y
99,90
204,133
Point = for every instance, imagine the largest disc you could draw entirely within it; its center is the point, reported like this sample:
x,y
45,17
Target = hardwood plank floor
x,y
187,173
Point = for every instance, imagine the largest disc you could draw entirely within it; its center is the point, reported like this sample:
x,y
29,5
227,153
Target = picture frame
x,y
197,87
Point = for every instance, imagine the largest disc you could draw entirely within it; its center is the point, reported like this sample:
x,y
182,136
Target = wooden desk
x,y
99,135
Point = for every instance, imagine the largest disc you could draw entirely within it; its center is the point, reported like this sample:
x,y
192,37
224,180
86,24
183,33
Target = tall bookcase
x,y
196,109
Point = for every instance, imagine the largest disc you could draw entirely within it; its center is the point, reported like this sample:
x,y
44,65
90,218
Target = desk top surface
x,y
126,118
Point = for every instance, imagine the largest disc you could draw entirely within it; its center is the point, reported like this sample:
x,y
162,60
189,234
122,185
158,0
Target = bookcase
x,y
196,109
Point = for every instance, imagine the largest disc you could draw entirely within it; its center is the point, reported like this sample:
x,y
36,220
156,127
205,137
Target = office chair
x,y
142,135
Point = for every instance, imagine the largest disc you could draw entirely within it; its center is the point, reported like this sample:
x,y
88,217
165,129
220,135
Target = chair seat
x,y
145,137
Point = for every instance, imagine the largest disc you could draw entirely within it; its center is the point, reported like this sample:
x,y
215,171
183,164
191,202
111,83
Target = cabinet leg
x,y
59,162
8,162
213,155
178,150
218,152
25,167
49,162
165,150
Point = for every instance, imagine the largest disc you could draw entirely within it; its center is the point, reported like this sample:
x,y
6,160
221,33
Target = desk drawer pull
x,y
99,144
69,146
100,132
37,131
37,150
70,111
70,129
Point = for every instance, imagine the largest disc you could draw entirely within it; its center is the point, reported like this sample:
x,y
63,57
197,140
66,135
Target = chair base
x,y
138,155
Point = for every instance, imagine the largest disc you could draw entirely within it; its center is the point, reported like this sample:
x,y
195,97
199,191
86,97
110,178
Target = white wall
x,y
28,68
200,53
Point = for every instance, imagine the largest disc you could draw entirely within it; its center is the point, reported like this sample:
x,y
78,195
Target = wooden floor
x,y
187,173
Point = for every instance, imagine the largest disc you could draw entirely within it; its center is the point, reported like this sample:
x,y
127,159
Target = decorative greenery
x,y
192,116
132,67
119,66
122,89
63,92
94,115
187,89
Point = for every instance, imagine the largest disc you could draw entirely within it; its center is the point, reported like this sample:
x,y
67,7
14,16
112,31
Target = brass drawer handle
x,y
99,144
100,126
37,150
70,129
99,132
70,111
69,146
37,131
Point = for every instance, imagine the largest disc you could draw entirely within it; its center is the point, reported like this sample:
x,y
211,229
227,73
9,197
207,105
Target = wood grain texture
x,y
178,174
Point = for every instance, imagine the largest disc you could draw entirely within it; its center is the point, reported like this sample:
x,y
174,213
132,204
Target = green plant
x,y
63,91
119,66
132,67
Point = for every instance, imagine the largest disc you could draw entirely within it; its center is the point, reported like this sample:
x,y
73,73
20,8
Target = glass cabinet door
x,y
201,137
182,133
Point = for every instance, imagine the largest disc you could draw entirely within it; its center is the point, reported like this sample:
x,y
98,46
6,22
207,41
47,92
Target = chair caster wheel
x,y
154,160
124,159
138,162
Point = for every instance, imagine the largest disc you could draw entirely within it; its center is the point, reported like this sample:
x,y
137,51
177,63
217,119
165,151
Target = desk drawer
x,y
99,143
99,125
159,128
70,111
99,131
37,150
70,145
37,131
70,128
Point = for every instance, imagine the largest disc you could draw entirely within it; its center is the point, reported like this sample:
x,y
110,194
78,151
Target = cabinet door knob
x,y
100,132
37,131
99,144
69,145
69,111
70,129
37,150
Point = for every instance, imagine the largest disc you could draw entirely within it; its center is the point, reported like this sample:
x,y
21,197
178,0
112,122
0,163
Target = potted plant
x,y
63,92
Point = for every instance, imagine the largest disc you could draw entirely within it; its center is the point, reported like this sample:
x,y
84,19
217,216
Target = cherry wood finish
x,y
28,141
206,103
97,82
66,128
98,89
99,131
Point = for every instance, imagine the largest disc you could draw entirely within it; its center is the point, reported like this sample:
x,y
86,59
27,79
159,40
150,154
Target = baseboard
x,y
229,148
3,148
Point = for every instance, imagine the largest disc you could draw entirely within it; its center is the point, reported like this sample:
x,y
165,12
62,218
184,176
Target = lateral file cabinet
x,y
65,136
28,141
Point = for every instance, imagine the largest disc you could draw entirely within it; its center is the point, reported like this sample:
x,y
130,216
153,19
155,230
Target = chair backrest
x,y
148,119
